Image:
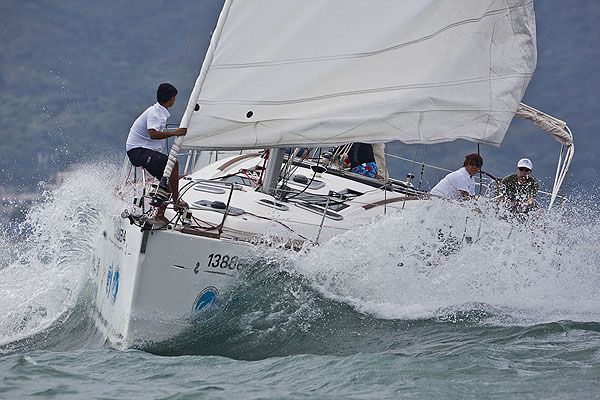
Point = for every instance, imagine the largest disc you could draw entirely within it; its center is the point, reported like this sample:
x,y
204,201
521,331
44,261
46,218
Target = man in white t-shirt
x,y
145,140
460,185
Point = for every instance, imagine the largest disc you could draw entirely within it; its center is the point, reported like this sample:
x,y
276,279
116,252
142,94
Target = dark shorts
x,y
152,161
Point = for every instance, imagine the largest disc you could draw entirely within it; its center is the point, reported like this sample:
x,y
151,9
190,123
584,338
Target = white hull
x,y
149,284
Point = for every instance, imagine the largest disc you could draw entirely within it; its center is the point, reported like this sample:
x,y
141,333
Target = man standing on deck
x,y
519,190
145,140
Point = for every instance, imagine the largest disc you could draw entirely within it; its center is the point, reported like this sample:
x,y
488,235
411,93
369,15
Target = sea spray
x,y
438,257
436,261
47,261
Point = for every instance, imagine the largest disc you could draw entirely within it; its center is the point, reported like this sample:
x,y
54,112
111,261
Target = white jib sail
x,y
313,72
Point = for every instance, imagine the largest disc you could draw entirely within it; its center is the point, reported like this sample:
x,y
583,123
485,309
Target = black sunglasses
x,y
474,164
524,169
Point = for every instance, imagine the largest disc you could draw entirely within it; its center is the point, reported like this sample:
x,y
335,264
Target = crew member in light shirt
x,y
145,141
460,185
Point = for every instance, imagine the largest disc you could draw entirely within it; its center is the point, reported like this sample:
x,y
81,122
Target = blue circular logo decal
x,y
205,300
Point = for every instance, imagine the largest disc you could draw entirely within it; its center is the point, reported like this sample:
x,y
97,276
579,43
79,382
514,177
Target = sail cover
x,y
316,73
554,126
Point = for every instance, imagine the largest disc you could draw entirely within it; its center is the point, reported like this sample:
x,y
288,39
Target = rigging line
x,y
144,187
316,196
336,152
309,182
385,179
207,228
188,44
564,184
279,222
182,191
491,176
480,174
422,168
287,170
415,160
428,165
323,219
411,174
304,157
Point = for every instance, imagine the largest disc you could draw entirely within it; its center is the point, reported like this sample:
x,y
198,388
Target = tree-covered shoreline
x,y
75,74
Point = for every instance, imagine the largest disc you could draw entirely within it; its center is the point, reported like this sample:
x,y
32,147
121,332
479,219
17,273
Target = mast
x,y
273,170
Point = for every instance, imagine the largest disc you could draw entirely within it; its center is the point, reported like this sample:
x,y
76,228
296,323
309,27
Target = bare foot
x,y
162,218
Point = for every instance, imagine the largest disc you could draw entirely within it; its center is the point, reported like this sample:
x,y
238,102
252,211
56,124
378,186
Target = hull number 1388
x,y
223,261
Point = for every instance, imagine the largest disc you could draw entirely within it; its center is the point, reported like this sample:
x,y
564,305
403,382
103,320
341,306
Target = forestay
x,y
312,72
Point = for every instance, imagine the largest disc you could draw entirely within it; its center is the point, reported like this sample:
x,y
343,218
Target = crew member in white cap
x,y
519,190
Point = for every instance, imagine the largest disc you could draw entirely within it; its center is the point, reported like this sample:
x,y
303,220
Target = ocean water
x,y
395,309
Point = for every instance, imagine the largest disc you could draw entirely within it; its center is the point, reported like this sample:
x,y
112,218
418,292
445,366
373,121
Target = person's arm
x,y
465,195
461,183
157,135
155,122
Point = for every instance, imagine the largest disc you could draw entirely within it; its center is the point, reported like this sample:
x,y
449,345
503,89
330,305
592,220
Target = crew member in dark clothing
x,y
519,190
361,160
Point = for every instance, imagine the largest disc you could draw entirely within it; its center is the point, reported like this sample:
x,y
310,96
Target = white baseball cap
x,y
525,162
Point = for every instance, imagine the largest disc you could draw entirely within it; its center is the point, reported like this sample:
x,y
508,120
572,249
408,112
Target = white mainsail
x,y
313,72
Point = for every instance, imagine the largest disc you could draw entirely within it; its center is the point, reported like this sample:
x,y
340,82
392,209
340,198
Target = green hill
x,y
75,74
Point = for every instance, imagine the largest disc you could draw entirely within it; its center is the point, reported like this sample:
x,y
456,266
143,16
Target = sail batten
x,y
308,72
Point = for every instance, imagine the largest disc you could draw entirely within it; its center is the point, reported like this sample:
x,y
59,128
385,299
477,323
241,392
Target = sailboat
x,y
284,75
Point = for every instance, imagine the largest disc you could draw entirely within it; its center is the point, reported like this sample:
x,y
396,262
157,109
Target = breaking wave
x,y
45,261
439,259
412,279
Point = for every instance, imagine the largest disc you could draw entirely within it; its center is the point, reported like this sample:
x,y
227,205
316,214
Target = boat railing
x,y
485,186
226,213
213,186
135,182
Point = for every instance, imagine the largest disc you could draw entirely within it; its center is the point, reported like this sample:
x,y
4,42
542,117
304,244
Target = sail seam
x,y
365,91
366,54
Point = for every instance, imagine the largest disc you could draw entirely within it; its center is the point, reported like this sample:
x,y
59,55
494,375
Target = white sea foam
x,y
46,266
406,265
401,266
